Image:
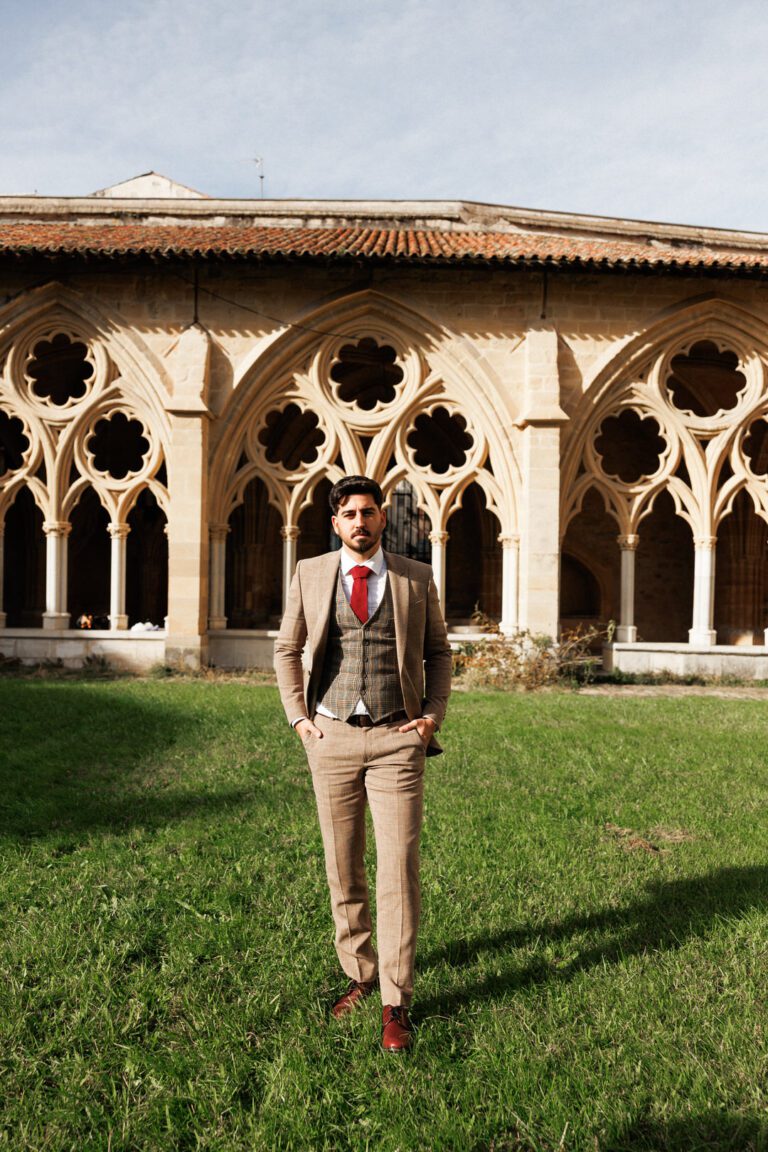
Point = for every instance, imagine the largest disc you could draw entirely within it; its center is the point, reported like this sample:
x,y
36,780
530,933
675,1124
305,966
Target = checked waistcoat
x,y
361,660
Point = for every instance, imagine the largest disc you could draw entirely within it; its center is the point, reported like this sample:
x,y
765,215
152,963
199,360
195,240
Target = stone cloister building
x,y
568,416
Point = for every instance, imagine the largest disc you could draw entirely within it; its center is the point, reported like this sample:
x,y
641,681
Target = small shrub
x,y
525,660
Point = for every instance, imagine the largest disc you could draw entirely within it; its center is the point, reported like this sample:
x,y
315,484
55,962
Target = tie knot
x,y
360,572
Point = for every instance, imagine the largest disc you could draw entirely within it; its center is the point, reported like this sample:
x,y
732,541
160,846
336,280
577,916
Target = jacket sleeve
x,y
289,646
437,660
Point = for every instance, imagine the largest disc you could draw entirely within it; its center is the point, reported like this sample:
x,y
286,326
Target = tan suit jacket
x,y
423,651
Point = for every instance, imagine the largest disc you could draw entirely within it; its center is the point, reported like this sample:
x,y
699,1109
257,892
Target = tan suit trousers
x,y
385,768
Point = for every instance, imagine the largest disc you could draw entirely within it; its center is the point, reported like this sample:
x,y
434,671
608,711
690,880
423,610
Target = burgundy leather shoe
x,y
349,1000
396,1034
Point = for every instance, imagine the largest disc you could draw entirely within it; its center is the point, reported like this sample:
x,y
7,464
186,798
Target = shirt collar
x,y
376,562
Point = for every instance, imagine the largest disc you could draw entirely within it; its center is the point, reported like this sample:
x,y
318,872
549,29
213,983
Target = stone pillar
x,y
2,574
626,632
186,641
540,542
290,534
438,540
539,453
56,538
702,632
510,579
118,619
218,535
187,622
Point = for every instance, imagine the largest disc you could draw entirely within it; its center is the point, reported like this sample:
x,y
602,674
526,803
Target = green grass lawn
x,y
593,957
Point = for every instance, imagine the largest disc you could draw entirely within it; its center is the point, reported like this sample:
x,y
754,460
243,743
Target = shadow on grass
x,y
672,912
719,1131
76,757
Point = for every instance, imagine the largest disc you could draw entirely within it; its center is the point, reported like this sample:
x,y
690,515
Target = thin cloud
x,y
652,110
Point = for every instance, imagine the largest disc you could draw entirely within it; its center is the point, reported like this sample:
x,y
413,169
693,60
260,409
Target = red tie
x,y
359,598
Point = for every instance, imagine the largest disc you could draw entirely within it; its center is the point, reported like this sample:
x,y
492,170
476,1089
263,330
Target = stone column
x,y
438,540
118,619
626,632
540,537
2,574
187,636
56,538
702,632
510,579
218,537
539,510
186,642
290,534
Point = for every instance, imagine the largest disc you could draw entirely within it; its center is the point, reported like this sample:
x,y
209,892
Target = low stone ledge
x,y
126,651
641,659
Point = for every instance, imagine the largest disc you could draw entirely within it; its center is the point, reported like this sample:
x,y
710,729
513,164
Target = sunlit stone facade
x,y
567,415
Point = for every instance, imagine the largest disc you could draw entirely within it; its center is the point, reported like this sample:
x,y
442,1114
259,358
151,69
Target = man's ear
x,y
333,525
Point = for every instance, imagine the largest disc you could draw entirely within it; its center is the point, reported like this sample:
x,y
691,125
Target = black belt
x,y
363,720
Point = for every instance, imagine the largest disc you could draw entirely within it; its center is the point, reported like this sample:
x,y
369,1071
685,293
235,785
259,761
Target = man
x,y
378,685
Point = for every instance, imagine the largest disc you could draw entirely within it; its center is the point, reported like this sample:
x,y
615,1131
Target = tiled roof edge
x,y
437,215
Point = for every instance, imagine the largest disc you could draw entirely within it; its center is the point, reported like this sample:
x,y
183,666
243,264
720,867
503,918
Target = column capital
x,y
706,543
57,527
628,543
118,531
290,532
509,540
219,531
437,538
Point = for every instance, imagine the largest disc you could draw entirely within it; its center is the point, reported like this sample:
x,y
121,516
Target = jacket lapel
x,y
323,595
320,595
401,590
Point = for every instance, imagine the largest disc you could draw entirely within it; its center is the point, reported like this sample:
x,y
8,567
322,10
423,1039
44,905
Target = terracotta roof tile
x,y
247,240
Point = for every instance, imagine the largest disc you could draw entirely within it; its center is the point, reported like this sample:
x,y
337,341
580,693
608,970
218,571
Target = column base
x,y
702,639
217,623
118,623
508,629
190,652
626,634
55,621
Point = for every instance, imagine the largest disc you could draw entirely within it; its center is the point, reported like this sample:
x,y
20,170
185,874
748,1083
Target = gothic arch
x,y
296,368
681,410
699,448
122,376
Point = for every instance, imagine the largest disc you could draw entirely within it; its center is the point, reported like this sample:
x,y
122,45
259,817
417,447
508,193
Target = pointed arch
x,y
431,354
703,316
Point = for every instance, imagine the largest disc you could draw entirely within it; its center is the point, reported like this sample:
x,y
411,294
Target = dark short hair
x,y
354,486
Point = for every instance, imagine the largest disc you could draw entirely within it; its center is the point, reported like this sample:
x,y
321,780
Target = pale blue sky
x,y
655,110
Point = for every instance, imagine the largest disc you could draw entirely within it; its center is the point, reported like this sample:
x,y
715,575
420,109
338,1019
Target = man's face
x,y
359,524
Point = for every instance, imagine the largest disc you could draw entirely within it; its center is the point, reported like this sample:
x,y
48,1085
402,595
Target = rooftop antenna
x,y
259,161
